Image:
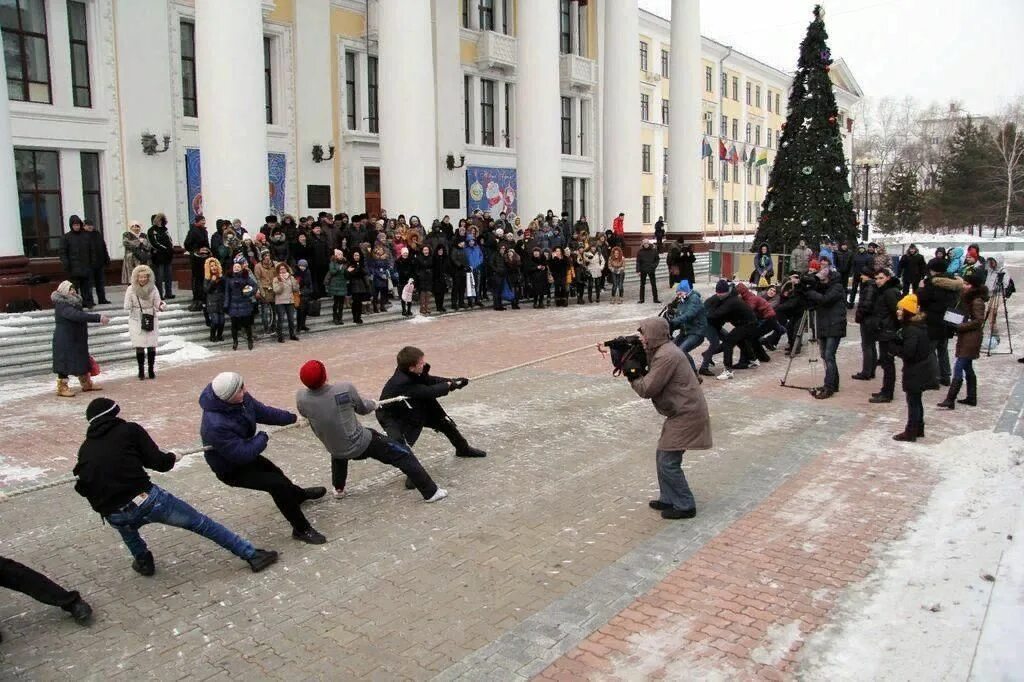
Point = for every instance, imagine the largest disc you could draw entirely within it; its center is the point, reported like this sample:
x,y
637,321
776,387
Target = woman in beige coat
x,y
137,250
143,298
285,286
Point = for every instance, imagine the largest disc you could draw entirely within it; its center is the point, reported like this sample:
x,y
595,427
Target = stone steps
x,y
26,338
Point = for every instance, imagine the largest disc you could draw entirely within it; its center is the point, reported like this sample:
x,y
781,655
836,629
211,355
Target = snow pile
x,y
926,604
11,472
178,351
421,319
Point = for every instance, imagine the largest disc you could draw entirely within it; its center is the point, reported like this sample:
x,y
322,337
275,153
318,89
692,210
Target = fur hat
x,y
100,407
65,287
226,384
313,374
722,287
909,303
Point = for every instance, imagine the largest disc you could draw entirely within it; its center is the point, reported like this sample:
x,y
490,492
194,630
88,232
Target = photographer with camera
x,y
672,387
827,297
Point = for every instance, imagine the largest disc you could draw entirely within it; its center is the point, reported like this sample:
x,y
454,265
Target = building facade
x,y
119,109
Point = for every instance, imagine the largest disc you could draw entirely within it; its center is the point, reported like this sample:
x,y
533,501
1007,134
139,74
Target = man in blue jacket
x,y
234,449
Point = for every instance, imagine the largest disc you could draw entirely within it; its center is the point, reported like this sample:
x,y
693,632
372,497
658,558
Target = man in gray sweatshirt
x,y
331,410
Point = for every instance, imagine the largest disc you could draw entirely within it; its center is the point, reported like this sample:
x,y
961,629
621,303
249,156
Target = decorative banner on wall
x,y
276,172
493,190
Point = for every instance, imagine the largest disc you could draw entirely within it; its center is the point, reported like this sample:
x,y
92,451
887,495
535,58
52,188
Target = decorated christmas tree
x,y
809,189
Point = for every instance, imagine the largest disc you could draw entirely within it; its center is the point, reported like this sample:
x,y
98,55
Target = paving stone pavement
x,y
545,554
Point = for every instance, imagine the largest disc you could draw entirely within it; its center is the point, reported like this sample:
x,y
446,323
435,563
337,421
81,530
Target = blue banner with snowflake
x,y
277,167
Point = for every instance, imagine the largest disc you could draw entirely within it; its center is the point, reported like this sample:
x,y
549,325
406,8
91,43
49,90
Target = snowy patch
x,y
421,319
928,601
179,351
780,639
11,472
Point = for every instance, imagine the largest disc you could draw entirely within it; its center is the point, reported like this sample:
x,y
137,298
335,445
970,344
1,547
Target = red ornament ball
x,y
832,120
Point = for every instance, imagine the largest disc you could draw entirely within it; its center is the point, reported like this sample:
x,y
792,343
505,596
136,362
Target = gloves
x,y
461,382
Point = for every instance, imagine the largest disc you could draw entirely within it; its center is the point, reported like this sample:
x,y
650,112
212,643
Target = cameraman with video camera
x,y
672,387
826,295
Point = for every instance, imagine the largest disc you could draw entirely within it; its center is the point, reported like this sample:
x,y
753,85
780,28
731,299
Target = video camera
x,y
628,356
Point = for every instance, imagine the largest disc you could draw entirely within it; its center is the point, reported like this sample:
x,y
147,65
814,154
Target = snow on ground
x,y
931,593
11,472
898,238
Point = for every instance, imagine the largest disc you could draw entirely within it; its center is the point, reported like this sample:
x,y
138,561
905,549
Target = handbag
x,y
314,308
146,320
94,367
296,299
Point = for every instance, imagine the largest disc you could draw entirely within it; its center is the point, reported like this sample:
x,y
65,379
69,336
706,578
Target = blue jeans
x,y
162,275
163,507
618,282
963,366
828,345
687,343
672,481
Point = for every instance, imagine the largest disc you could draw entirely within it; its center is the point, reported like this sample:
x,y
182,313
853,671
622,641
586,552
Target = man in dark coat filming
x,y
672,387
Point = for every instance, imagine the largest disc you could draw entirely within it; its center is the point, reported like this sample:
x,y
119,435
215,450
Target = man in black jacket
x,y
76,257
20,578
912,269
726,306
865,317
111,473
197,244
828,300
886,325
404,420
844,266
864,258
938,293
646,264
163,254
100,258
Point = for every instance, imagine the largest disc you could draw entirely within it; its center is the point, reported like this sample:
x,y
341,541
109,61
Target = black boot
x,y
140,357
909,433
954,388
144,564
234,339
220,332
248,337
972,392
213,333
151,361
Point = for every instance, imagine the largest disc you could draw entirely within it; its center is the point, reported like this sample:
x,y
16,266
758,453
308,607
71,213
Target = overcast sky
x,y
933,50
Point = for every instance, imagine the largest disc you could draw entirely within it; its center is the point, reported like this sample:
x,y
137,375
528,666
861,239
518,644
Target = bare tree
x,y
1008,139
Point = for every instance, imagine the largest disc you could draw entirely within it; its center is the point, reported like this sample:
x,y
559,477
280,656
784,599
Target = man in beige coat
x,y
672,386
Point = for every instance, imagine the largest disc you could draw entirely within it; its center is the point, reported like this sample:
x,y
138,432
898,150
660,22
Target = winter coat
x,y
358,281
844,263
647,260
76,253
319,253
406,269
112,463
920,366
690,317
99,257
337,280
686,260
229,430
139,301
379,270
408,417
196,240
460,264
763,265
559,268
305,280
830,306
671,385
882,260
884,310
956,260
729,308
424,272
864,315
799,259
265,277
968,334
497,268
912,267
163,247
595,264
474,256
537,272
279,251
862,260
137,251
760,306
939,294
241,295
993,278
70,335
283,290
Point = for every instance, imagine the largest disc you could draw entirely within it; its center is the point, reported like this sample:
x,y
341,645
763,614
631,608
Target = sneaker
x,y
81,611
724,374
340,493
880,398
262,559
755,363
315,493
438,496
659,505
309,536
674,513
144,564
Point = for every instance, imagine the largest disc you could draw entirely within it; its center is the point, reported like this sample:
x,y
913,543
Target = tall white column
x,y
685,179
313,119
408,137
10,235
232,118
621,120
538,103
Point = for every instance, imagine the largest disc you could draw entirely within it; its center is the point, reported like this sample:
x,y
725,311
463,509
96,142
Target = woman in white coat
x,y
143,303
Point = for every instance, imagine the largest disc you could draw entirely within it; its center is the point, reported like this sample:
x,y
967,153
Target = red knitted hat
x,y
313,374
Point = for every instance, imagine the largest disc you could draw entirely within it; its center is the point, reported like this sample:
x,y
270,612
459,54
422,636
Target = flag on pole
x,y
762,158
734,156
744,153
705,150
753,157
723,153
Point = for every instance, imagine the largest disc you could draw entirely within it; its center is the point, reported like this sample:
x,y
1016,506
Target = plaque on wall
x,y
318,196
450,198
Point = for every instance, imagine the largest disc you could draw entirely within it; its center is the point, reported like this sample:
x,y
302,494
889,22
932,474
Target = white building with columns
x,y
119,109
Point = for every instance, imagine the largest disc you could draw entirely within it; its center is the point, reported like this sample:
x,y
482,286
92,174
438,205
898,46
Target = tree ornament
x,y
832,120
839,169
803,223
807,170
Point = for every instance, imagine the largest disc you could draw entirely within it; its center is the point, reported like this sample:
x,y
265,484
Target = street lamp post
x,y
867,163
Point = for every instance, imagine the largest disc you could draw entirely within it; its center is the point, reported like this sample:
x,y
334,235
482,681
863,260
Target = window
x,y
757,135
735,173
645,107
735,129
725,84
750,175
725,126
371,93
350,91
664,111
466,84
465,13
769,138
91,193
778,109
725,211
711,210
707,78
78,29
487,112
584,122
664,161
736,211
581,34
643,56
42,224
725,171
750,210
707,124
711,168
647,210
757,96
566,125
268,81
749,127
568,196
769,100
504,16
583,197
486,9
26,50
757,175
750,99
508,115
645,158
564,27
664,64
736,88
188,69
664,205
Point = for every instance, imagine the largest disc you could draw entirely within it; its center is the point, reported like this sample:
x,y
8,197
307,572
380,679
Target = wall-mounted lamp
x,y
449,161
318,153
149,144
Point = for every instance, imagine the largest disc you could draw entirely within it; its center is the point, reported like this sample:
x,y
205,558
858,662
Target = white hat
x,y
499,233
226,384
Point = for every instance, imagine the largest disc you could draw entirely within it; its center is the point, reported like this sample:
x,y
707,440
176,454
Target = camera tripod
x,y
999,297
801,328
